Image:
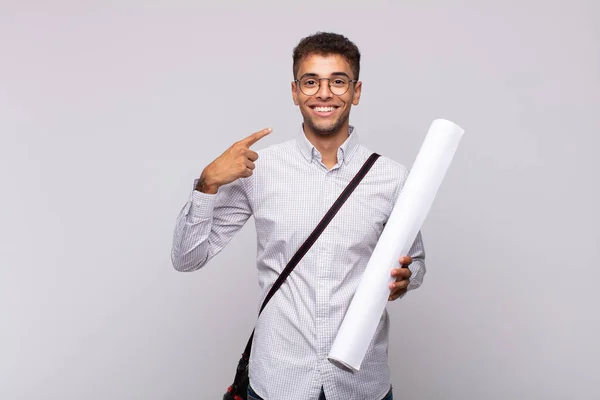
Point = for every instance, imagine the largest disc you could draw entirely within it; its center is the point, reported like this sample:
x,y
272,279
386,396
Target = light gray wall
x,y
108,112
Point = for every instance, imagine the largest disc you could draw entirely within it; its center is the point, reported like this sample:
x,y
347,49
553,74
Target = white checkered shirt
x,y
288,194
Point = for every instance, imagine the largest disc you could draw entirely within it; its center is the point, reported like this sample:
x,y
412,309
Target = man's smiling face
x,y
325,112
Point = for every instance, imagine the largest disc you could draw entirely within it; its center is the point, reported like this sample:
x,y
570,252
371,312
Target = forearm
x,y
207,223
191,244
417,267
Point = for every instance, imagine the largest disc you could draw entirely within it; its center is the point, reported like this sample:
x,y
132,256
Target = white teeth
x,y
324,109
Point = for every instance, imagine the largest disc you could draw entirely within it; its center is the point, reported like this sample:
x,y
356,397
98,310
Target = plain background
x,y
109,110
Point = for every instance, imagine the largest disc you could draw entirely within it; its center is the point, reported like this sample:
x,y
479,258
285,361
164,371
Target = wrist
x,y
205,185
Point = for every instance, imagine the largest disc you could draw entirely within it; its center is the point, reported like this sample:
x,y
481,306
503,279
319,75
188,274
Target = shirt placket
x,y
323,284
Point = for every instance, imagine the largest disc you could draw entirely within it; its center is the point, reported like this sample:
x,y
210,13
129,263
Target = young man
x,y
287,188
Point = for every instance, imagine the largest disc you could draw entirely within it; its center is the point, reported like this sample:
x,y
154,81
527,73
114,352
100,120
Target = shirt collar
x,y
345,151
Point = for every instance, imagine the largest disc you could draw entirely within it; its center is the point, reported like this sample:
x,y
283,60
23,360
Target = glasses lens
x,y
309,86
339,86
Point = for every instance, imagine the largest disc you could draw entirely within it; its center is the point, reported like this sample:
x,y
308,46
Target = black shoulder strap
x,y
313,237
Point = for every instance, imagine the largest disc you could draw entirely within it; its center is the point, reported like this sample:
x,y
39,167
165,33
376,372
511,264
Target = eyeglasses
x,y
310,85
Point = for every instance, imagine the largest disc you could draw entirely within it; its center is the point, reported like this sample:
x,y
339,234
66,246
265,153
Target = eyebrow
x,y
313,75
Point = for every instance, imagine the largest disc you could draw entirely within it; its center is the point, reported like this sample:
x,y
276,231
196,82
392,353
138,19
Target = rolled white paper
x,y
398,236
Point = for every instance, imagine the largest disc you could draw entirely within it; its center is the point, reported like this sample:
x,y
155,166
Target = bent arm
x,y
207,223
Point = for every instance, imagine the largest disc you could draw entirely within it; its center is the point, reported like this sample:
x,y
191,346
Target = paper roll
x,y
404,223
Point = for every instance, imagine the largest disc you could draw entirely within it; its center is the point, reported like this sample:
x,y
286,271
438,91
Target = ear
x,y
357,91
294,93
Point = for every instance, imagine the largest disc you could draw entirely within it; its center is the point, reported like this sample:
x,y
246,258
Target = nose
x,y
324,90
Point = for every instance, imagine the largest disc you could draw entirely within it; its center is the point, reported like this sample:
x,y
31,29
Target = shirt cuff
x,y
416,279
201,205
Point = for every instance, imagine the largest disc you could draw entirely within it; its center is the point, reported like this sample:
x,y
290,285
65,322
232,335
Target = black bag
x,y
239,388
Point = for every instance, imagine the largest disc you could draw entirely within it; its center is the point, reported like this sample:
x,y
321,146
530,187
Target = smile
x,y
324,111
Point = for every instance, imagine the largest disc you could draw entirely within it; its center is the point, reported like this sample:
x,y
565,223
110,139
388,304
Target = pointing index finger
x,y
255,137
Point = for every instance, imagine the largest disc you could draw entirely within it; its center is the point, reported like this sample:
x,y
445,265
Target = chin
x,y
325,129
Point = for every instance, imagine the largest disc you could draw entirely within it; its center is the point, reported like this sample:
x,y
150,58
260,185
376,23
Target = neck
x,y
328,143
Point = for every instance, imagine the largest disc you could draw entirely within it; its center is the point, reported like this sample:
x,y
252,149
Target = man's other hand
x,y
402,275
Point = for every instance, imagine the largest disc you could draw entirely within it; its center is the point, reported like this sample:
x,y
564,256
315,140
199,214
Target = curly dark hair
x,y
326,43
